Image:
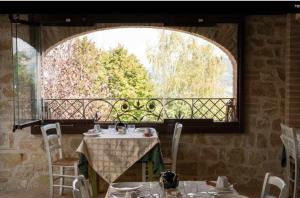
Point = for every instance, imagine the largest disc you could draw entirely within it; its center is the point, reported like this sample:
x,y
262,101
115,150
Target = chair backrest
x,y
275,181
53,141
81,188
290,139
175,144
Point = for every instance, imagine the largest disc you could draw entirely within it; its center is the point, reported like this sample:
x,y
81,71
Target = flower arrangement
x,y
97,117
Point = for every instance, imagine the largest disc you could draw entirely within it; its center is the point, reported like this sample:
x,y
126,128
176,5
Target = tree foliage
x,y
126,76
78,69
184,68
180,68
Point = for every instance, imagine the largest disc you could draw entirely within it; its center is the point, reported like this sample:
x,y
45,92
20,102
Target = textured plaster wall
x,y
243,157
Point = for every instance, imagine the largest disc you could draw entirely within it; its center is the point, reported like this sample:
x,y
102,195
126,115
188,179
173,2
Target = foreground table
x,y
203,188
111,154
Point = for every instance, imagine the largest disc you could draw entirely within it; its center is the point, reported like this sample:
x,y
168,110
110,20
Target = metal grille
x,y
141,110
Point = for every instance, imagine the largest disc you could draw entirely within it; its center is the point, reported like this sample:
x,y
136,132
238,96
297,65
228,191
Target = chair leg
x,y
296,182
150,171
76,169
50,182
61,180
144,171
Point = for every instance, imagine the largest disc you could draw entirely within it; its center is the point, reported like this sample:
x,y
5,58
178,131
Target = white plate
x,y
91,134
124,186
218,189
140,130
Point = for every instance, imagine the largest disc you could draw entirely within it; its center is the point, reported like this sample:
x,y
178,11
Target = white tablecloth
x,y
111,154
144,191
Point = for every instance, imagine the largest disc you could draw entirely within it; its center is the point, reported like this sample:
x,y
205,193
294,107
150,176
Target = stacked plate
x,y
218,189
92,133
125,186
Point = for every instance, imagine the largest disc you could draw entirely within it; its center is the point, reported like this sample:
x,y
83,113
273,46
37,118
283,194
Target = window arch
x,y
193,75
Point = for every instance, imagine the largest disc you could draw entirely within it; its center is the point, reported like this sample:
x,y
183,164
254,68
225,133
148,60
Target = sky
x,y
135,40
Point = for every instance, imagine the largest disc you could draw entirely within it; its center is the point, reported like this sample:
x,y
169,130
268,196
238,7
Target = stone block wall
x,y
293,71
243,157
246,157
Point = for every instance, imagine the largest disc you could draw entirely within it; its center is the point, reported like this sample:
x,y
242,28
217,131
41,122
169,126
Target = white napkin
x,y
232,196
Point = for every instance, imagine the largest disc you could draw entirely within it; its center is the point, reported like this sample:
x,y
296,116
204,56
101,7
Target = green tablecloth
x,y
153,155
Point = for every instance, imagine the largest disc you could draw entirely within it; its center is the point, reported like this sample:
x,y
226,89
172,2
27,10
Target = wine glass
x,y
156,190
190,188
130,128
112,129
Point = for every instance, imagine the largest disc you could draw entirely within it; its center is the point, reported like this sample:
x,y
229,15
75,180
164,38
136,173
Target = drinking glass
x,y
97,127
111,128
130,128
190,188
156,190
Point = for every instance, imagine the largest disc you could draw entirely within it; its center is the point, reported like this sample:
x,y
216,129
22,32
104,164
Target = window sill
x,y
189,126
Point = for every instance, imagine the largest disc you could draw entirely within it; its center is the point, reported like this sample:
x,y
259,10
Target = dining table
x,y
204,190
110,153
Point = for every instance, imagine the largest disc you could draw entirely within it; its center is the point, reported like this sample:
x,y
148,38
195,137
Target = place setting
x,y
221,186
126,190
92,133
96,131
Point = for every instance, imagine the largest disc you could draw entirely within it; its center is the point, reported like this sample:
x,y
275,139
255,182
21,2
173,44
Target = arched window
x,y
151,74
138,74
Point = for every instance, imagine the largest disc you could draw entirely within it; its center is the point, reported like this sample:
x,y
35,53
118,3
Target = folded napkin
x,y
173,193
92,131
225,195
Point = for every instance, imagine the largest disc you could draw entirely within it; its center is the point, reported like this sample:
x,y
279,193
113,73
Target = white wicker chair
x,y
53,145
276,181
290,138
81,188
175,144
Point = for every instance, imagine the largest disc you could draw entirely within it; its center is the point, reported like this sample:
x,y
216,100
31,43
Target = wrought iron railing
x,y
141,109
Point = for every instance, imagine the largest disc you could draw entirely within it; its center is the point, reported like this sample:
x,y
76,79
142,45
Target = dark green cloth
x,y
83,166
153,155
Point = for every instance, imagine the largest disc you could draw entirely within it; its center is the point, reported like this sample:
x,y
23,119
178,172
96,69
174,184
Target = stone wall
x,y
243,157
247,157
293,71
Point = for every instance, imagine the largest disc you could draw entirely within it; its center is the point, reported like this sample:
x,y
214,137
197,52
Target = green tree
x,y
78,69
25,76
184,68
126,77
25,84
92,79
93,72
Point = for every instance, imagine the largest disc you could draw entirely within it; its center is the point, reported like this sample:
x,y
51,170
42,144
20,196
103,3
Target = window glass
x,y
26,61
